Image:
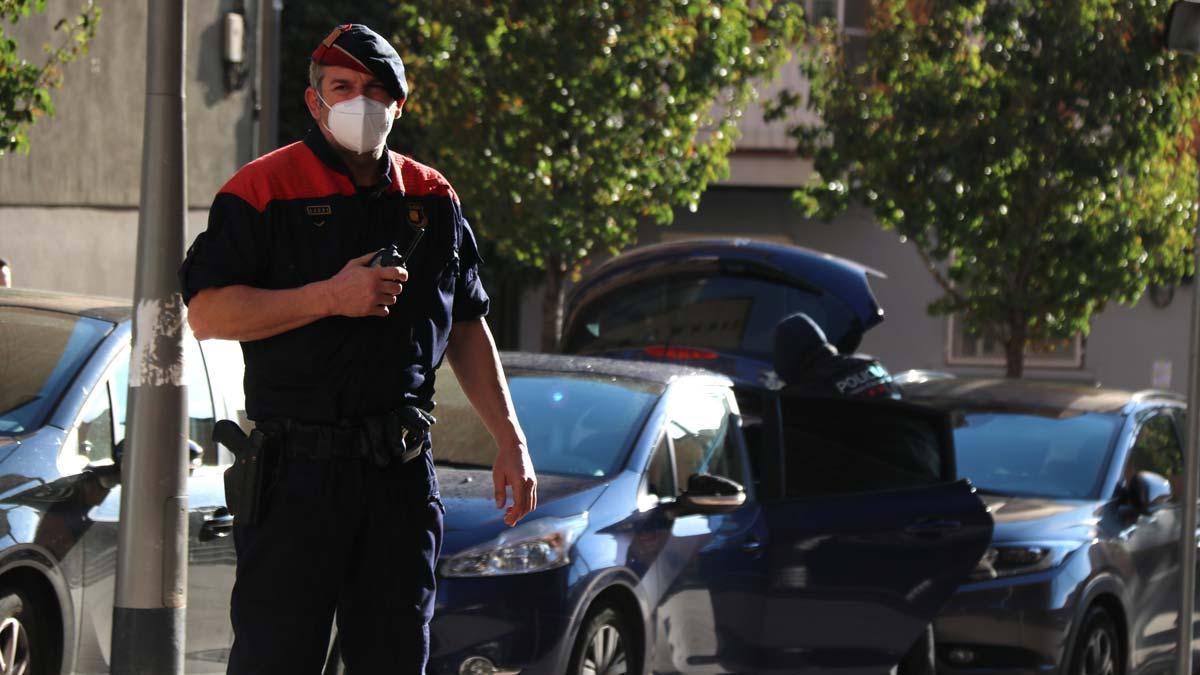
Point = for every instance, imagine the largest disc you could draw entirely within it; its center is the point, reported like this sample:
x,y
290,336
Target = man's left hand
x,y
514,469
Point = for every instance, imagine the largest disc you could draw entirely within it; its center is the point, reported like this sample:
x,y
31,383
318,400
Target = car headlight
x,y
1010,559
536,546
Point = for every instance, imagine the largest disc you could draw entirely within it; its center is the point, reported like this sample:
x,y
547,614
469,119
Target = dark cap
x,y
357,47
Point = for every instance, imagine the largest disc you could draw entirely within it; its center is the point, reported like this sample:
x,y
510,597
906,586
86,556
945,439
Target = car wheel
x,y
604,645
1098,648
24,638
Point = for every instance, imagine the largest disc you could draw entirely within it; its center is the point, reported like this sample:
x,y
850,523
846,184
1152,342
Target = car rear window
x,y
1033,455
40,354
578,425
731,314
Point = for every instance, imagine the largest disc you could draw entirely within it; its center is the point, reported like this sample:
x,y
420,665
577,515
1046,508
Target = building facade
x,y
69,209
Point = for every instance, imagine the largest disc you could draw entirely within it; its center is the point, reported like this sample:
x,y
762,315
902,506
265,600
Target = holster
x,y
245,481
398,436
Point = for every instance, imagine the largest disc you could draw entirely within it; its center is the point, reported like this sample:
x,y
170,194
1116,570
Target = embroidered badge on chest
x,y
416,216
318,213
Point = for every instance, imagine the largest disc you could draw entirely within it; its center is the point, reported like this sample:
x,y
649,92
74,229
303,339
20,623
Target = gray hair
x,y
316,75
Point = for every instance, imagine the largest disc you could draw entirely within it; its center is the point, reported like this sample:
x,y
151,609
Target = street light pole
x,y
151,591
1183,35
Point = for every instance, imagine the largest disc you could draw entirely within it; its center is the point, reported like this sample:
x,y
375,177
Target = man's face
x,y
342,84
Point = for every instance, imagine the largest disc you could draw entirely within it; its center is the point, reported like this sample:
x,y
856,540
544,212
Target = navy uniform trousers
x,y
340,536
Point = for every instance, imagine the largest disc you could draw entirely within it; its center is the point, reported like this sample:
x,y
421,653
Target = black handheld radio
x,y
390,256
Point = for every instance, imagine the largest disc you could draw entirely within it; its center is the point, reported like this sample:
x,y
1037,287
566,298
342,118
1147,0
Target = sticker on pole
x,y
157,356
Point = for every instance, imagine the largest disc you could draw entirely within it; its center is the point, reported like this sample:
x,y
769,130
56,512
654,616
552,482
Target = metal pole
x,y
151,594
1187,558
1183,35
269,12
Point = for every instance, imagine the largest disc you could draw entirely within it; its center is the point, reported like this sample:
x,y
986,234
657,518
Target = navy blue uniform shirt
x,y
293,217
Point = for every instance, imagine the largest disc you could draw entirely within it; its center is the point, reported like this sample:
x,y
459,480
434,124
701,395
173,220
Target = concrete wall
x,y
89,153
77,250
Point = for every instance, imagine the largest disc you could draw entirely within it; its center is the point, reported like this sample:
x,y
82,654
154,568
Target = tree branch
x,y
938,276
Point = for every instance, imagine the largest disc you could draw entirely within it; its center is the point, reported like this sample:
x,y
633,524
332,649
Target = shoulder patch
x,y
291,172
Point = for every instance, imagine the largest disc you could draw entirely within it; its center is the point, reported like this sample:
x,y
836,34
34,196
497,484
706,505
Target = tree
x,y
562,124
25,86
1039,155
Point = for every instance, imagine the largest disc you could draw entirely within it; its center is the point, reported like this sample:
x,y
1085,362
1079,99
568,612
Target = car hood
x,y
471,514
1039,518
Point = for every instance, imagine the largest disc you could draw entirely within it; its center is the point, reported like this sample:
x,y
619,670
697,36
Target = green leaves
x,y
25,86
563,125
1040,155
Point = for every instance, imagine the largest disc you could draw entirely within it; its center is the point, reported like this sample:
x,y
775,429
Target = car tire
x,y
605,645
25,640
1098,649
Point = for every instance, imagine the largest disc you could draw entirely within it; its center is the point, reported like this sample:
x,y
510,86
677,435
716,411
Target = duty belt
x,y
380,438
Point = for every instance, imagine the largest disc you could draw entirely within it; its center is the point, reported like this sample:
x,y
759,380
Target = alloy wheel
x,y
605,653
1099,655
14,647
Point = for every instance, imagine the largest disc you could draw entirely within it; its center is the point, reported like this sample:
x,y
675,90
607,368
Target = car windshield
x,y
1033,455
730,314
40,353
576,424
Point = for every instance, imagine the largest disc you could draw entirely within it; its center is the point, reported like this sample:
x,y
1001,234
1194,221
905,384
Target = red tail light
x,y
681,353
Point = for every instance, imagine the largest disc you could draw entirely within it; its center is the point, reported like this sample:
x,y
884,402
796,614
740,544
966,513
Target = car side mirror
x,y
707,493
1149,491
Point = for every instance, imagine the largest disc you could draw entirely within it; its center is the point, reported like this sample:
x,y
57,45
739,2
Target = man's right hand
x,y
358,290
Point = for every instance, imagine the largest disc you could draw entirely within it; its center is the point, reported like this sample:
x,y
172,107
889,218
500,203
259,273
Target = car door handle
x,y
933,527
219,525
752,545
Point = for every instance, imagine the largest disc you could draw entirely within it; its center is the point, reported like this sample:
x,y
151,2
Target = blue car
x,y
1083,573
652,551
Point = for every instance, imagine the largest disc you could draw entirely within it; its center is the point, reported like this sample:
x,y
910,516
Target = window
x,y
721,312
845,446
1157,449
96,426
1058,456
201,418
852,15
577,424
660,480
41,352
698,429
969,348
822,10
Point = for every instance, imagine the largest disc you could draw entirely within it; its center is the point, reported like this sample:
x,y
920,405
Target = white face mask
x,y
360,124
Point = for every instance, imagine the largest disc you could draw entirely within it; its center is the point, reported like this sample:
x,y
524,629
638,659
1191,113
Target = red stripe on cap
x,y
336,56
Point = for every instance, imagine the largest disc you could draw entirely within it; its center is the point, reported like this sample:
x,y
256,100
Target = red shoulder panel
x,y
416,179
291,172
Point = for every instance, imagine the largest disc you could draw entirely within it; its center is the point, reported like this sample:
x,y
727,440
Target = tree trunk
x,y
552,305
1014,346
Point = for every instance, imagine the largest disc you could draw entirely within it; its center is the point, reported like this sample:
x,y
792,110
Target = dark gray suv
x,y
1085,486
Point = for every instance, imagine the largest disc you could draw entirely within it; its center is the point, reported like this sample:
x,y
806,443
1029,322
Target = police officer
x,y
340,366
810,366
